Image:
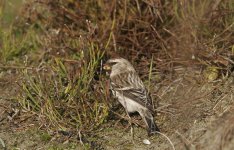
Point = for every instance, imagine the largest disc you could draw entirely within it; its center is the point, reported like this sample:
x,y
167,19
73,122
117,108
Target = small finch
x,y
130,91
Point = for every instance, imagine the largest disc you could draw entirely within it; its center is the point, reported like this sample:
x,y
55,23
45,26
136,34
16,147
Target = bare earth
x,y
193,114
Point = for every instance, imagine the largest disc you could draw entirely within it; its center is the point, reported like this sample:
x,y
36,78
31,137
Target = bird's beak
x,y
106,67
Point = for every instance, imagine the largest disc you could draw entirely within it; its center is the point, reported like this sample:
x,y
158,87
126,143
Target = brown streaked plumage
x,y
129,89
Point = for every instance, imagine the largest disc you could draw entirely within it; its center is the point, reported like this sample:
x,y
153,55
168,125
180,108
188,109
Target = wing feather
x,y
132,87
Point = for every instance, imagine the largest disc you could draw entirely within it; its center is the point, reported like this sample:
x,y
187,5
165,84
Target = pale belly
x,y
129,104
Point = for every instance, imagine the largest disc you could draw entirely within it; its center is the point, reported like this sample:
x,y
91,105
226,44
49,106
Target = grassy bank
x,y
58,48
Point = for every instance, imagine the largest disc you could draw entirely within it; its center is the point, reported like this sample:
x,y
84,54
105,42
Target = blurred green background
x,y
9,10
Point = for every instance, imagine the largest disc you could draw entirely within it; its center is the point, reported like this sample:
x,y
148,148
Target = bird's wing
x,y
130,85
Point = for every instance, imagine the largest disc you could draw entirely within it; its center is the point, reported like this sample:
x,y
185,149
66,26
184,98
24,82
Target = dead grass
x,y
61,45
66,98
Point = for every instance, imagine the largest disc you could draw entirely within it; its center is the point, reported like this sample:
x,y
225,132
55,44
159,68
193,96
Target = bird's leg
x,y
130,124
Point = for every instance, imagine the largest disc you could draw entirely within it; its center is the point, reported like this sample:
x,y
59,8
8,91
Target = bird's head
x,y
118,65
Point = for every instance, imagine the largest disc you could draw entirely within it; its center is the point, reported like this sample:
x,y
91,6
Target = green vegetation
x,y
66,42
8,11
45,137
13,45
66,101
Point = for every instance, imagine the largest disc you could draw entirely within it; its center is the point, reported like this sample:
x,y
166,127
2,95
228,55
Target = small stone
x,y
146,141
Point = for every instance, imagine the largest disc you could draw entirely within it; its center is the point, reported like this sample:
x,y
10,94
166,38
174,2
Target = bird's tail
x,y
149,120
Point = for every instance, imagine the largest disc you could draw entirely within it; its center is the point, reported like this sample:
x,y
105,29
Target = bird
x,y
130,91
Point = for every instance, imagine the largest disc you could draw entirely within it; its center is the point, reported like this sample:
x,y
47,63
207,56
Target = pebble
x,y
146,141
